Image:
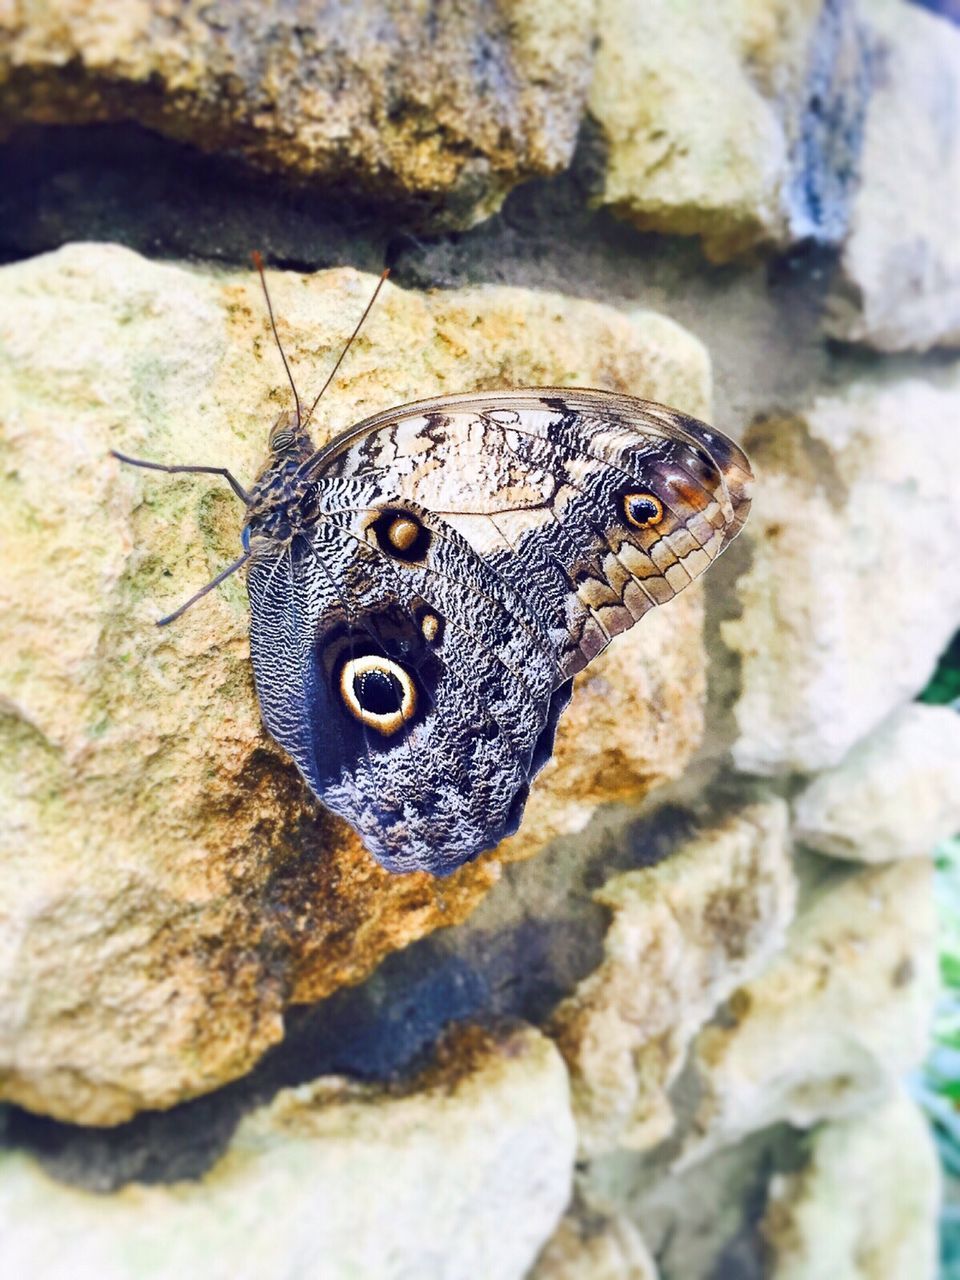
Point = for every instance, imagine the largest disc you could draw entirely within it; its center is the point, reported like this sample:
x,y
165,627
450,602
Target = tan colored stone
x,y
684,935
865,1205
852,592
463,1178
899,285
703,108
170,884
585,1249
896,795
446,106
834,1022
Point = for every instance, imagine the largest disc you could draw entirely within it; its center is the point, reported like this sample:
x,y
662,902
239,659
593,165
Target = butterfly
x,y
424,588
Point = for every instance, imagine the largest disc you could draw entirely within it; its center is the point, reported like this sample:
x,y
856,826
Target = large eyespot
x,y
401,535
643,510
378,692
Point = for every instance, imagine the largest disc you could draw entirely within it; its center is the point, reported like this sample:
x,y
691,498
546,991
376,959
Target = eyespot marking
x,y
430,627
643,510
401,535
378,692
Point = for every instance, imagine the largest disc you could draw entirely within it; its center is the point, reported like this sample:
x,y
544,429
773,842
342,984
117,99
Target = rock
x,y
684,935
737,122
835,1020
465,1177
595,1250
896,795
852,592
899,285
441,110
865,1205
700,1223
171,885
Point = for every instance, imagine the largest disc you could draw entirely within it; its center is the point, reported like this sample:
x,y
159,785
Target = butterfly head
x,y
282,501
288,442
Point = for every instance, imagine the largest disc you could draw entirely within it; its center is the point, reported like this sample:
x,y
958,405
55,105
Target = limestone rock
x,y
465,1177
852,592
736,121
834,1022
685,934
584,1249
699,1223
899,288
896,795
169,884
444,107
864,1207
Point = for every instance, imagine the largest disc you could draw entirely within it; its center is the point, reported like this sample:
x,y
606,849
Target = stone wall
x,y
664,1029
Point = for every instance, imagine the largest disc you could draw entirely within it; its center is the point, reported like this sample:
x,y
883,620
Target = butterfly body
x,y
424,588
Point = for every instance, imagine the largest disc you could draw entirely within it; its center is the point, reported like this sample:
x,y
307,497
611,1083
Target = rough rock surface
x,y
444,106
736,121
171,885
852,592
330,1181
684,935
698,1223
899,287
600,1249
832,1024
896,795
864,1207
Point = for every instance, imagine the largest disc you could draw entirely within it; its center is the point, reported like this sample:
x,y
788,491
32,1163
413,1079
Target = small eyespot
x,y
378,692
401,535
643,510
430,627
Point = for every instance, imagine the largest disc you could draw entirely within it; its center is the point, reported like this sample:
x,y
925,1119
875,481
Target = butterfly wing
x,y
538,481
414,647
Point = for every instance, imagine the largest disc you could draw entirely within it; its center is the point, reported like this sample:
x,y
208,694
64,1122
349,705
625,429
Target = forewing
x,y
537,483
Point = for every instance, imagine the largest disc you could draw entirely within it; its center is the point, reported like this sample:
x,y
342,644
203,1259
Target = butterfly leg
x,y
234,484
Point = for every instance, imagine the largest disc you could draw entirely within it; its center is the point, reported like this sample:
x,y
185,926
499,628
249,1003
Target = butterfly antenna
x,y
258,263
366,311
221,576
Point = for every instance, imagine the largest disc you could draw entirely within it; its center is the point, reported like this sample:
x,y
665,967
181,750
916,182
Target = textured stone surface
x,y
896,795
171,886
699,1223
899,289
835,1020
465,1177
601,1249
865,1205
684,935
736,121
443,106
852,592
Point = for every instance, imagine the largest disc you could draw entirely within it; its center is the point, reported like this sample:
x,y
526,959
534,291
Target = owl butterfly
x,y
424,588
